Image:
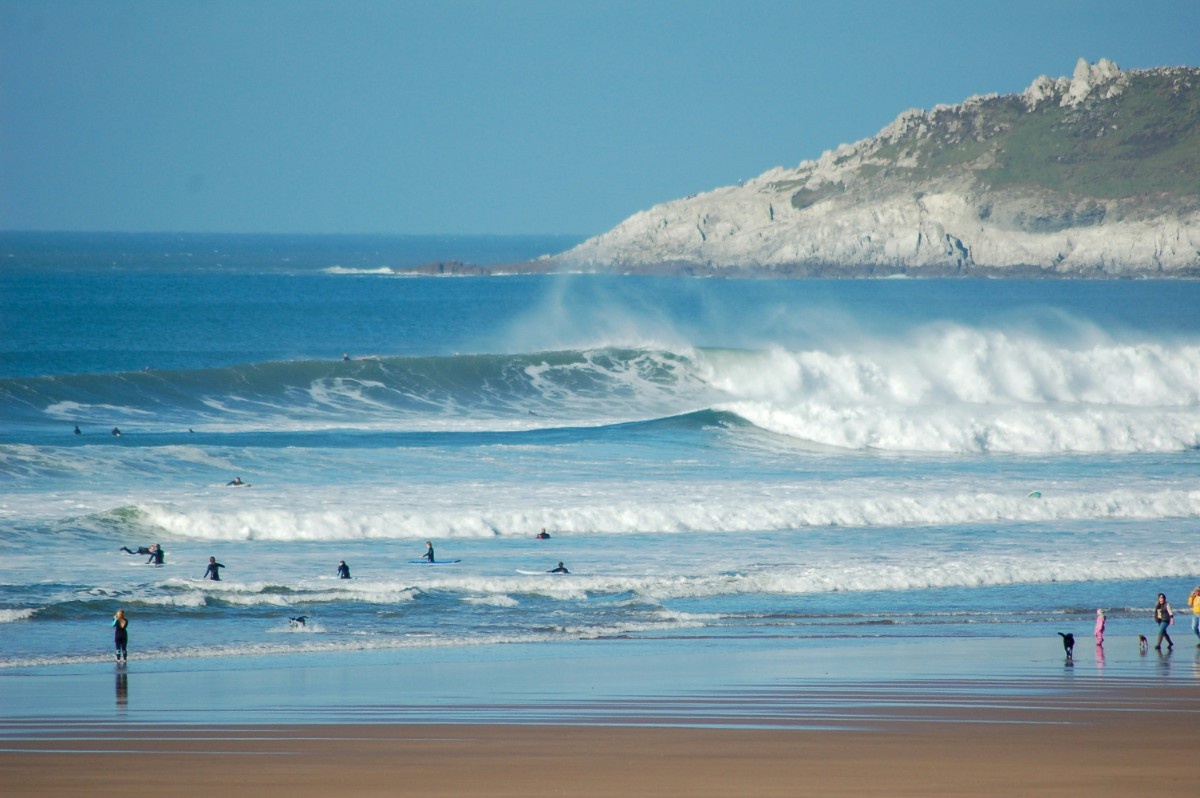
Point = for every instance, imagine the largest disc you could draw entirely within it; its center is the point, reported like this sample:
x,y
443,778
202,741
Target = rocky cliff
x,y
1093,175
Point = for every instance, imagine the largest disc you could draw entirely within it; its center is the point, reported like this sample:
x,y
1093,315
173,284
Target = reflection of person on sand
x,y
214,570
235,482
343,570
428,555
543,535
561,569
121,635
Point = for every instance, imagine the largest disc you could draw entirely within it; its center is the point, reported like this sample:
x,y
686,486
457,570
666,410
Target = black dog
x,y
1068,644
299,621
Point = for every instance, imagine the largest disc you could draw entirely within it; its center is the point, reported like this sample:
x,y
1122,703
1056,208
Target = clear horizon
x,y
469,118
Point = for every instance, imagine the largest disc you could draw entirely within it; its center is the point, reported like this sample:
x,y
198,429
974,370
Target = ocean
x,y
717,462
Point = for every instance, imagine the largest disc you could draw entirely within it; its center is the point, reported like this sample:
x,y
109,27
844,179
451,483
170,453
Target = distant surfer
x,y
116,433
343,570
156,554
543,535
428,555
140,550
561,569
213,571
236,482
345,357
77,430
299,620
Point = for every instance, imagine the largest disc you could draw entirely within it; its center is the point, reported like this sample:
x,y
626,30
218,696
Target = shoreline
x,y
986,717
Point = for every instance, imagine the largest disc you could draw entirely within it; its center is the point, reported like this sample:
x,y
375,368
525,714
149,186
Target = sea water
x,y
731,460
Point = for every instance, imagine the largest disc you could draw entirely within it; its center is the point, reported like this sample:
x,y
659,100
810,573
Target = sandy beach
x,y
1110,742
1016,720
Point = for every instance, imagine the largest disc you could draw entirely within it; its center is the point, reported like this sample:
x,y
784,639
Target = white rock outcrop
x,y
843,211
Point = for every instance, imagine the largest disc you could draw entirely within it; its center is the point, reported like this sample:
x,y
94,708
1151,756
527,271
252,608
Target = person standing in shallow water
x,y
1164,617
121,635
1194,603
213,571
343,570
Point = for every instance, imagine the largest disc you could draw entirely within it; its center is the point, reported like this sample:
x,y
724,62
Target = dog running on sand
x,y
1143,644
1068,644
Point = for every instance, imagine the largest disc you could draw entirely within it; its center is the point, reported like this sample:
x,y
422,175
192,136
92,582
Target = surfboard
x,y
540,573
423,561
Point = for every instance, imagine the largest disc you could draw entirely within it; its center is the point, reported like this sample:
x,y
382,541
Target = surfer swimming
x,y
236,482
77,430
213,571
561,569
140,550
543,535
428,555
116,433
343,570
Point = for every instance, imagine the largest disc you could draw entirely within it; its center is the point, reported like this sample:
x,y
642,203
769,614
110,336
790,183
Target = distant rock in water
x,y
1097,175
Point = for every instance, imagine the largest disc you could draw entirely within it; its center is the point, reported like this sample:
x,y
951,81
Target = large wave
x,y
948,388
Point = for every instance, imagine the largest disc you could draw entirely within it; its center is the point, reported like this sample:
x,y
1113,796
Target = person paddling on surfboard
x,y
561,569
428,555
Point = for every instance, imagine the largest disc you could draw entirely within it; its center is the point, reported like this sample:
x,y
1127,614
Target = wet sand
x,y
968,739
923,718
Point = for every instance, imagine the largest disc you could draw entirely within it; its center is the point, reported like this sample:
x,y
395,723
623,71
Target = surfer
x,y
116,433
543,535
77,431
213,571
140,550
156,554
236,482
343,570
561,569
428,555
121,635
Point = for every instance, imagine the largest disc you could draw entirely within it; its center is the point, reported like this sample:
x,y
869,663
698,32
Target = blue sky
x,y
461,116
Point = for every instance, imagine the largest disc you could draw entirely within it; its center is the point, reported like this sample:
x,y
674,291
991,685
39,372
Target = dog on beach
x,y
1068,644
1143,644
299,620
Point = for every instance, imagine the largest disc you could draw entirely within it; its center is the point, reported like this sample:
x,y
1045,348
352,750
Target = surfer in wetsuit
x,y
561,569
428,555
213,571
116,433
121,635
543,535
77,430
343,570
140,550
156,554
236,482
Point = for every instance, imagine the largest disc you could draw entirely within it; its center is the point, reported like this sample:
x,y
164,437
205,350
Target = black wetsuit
x,y
213,572
428,555
156,556
121,637
344,571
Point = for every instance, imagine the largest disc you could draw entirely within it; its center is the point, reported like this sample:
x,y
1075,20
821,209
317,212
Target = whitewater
x,y
713,459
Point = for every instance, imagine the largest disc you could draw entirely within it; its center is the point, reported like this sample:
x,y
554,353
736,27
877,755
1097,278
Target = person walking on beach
x,y
1100,627
343,570
1194,603
213,571
1164,617
428,555
121,635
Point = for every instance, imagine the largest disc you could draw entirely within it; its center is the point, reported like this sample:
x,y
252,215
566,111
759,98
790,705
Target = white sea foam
x,y
10,616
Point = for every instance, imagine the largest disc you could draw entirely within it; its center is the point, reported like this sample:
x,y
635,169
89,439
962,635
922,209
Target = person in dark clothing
x,y
121,635
561,569
343,570
140,550
428,555
156,554
214,570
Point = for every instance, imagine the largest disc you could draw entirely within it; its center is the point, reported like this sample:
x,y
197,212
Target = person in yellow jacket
x,y
1194,603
